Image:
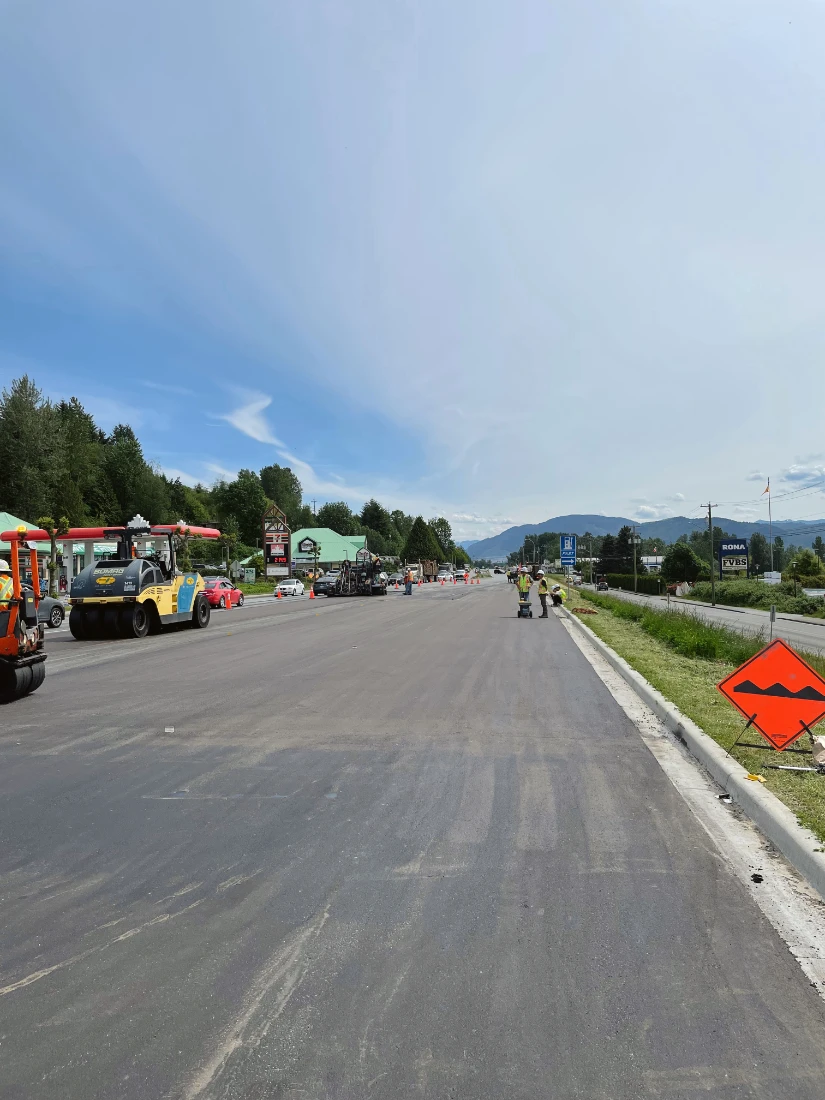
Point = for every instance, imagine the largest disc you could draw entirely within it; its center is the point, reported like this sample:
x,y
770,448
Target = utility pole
x,y
635,576
313,506
712,574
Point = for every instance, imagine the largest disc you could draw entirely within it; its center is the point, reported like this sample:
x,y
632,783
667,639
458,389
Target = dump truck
x,y
22,660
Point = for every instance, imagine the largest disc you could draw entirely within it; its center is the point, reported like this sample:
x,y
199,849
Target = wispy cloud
x,y
756,475
471,517
181,475
249,419
221,471
164,387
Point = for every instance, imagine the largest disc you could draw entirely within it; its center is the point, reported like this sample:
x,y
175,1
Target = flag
x,y
768,488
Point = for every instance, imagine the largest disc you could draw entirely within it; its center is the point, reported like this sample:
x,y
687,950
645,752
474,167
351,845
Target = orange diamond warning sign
x,y
779,692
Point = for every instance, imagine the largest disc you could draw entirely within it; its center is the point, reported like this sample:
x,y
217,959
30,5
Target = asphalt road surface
x,y
389,847
797,630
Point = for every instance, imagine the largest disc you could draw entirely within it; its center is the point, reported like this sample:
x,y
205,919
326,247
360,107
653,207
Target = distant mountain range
x,y
799,532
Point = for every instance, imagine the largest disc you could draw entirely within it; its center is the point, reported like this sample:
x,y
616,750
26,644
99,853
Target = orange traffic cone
x,y
419,582
396,586
278,594
312,593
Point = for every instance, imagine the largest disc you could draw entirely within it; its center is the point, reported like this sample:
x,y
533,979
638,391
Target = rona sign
x,y
733,555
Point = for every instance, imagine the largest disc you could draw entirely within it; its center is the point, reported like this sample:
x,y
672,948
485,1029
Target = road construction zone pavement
x,y
372,847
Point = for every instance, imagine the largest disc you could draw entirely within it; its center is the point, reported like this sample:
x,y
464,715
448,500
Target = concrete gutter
x,y
777,822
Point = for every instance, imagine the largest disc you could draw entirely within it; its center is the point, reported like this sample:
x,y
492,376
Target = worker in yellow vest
x,y
544,589
6,586
523,584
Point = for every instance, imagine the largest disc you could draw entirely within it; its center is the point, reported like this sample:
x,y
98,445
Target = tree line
x,y
56,464
689,558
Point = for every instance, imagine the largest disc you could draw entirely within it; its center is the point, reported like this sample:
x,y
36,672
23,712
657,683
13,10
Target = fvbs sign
x,y
733,555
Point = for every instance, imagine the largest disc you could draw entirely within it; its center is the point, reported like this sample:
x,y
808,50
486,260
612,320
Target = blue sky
x,y
495,261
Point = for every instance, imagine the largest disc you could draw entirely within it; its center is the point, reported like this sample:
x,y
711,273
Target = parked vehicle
x,y
292,587
395,578
222,593
601,585
325,586
51,611
498,569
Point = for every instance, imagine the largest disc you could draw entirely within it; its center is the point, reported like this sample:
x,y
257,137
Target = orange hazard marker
x,y
278,594
312,593
396,586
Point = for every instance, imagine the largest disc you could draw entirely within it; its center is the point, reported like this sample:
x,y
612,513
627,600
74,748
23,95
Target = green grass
x,y
685,665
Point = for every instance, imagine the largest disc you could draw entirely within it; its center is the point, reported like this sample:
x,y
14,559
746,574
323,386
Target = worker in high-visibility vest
x,y
523,584
6,586
544,589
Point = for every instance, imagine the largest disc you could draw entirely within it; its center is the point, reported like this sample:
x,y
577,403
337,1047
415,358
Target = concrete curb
x,y
772,816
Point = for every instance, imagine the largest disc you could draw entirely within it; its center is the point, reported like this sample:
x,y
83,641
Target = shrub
x,y
745,593
650,585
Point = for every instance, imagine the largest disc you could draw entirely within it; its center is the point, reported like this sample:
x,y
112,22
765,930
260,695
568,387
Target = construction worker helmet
x,y
4,566
540,573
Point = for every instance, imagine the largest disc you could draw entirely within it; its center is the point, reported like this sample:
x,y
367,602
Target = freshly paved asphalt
x,y
394,847
798,630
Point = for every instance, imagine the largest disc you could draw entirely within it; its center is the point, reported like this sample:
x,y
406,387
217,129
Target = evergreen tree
x,y
243,501
421,544
282,486
30,451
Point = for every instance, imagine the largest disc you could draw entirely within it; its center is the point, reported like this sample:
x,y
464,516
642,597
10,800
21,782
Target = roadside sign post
x,y
778,692
276,543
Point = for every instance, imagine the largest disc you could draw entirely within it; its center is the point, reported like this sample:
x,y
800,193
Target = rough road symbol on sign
x,y
779,691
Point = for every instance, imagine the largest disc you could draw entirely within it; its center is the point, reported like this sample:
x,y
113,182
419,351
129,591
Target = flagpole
x,y
770,522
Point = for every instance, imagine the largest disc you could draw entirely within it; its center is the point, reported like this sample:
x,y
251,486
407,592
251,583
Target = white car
x,y
446,576
290,588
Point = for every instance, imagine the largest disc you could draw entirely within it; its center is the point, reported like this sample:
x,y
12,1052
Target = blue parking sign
x,y
568,550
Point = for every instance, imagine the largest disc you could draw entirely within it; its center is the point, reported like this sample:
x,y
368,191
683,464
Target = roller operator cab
x,y
131,594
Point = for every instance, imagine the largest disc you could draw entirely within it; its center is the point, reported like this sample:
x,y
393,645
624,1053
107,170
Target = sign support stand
x,y
751,720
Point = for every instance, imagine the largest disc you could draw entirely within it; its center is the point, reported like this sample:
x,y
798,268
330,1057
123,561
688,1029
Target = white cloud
x,y
221,471
181,475
678,497
470,517
646,511
108,413
757,475
804,472
182,391
249,419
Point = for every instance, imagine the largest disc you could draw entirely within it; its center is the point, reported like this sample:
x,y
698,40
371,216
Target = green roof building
x,y
335,548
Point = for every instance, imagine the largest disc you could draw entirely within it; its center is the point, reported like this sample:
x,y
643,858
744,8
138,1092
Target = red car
x,y
221,593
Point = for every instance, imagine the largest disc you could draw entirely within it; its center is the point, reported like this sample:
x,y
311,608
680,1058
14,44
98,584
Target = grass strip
x,y
685,662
